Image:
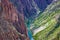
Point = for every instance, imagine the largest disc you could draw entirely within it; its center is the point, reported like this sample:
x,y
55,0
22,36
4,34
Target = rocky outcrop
x,y
9,15
7,31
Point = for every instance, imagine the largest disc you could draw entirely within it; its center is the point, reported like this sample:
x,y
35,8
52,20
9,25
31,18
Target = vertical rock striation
x,y
9,13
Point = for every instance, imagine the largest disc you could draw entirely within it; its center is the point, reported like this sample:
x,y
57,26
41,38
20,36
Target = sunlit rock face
x,y
10,14
7,31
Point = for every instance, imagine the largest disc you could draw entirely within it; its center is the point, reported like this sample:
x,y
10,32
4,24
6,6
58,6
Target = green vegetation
x,y
49,16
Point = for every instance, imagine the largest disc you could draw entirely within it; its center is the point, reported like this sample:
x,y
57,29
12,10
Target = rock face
x,y
9,14
14,13
31,7
7,31
42,4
